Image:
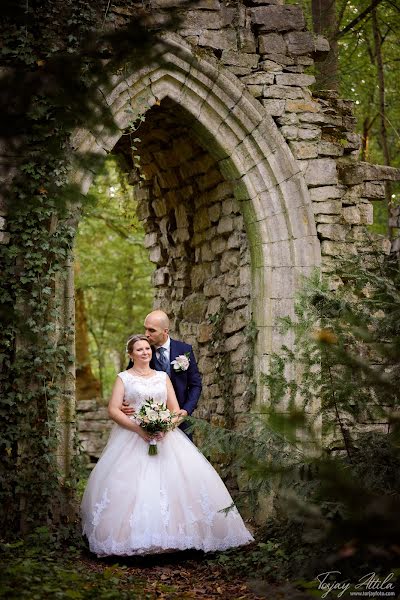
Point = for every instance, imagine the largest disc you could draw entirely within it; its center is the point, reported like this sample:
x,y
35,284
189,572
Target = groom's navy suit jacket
x,y
187,384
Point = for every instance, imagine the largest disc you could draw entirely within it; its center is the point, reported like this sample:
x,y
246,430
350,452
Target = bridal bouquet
x,y
154,418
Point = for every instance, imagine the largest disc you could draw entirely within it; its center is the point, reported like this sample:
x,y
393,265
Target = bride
x,y
140,504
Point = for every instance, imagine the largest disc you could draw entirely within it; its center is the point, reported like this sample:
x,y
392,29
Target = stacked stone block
x,y
196,237
94,427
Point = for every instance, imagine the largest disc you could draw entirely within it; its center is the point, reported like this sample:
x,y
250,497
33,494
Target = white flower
x,y
151,414
164,415
181,363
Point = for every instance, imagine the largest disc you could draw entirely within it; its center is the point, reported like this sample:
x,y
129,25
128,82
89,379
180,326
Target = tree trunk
x,y
382,114
87,386
325,23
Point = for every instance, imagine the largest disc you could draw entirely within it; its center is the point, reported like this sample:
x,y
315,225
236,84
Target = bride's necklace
x,y
142,374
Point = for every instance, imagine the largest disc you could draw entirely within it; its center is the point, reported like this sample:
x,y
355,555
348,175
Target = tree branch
x,y
360,17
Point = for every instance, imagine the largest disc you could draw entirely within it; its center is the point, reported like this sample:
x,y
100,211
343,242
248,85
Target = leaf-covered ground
x,y
181,576
38,573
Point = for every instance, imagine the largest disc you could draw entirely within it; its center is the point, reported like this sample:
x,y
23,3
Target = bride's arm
x,y
116,414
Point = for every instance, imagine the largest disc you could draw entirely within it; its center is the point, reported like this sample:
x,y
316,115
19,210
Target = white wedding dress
x,y
140,504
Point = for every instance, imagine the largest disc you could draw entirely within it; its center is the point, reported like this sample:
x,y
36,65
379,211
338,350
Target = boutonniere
x,y
181,362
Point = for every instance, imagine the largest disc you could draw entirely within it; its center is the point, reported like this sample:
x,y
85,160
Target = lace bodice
x,y
139,389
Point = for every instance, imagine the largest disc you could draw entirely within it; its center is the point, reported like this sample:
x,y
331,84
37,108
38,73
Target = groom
x,y
185,379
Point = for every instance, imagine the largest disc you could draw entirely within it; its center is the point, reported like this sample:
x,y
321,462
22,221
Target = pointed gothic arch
x,y
250,151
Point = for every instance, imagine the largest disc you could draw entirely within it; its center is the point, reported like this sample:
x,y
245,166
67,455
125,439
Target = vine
x,y
56,68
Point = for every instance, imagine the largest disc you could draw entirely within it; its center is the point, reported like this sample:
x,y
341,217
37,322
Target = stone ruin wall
x,y
194,227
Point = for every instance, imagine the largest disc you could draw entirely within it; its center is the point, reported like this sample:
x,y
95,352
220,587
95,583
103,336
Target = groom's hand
x,y
183,412
126,409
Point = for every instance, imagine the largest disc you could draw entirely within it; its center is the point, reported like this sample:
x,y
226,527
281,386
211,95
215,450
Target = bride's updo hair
x,y
132,341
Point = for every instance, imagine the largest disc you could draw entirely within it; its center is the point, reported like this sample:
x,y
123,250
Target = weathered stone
x,y
231,278
321,118
233,342
278,18
275,108
299,80
204,333
213,287
321,44
167,179
351,214
255,90
236,321
333,232
357,172
143,210
230,205
218,245
240,384
239,58
235,240
301,106
150,239
333,207
303,150
209,180
373,190
224,40
320,171
181,216
229,261
196,167
225,225
194,308
299,42
271,43
258,78
155,254
201,19
160,207
2,223
270,66
160,276
86,405
308,133
337,248
206,4
206,365
247,42
239,71
366,213
214,306
214,212
277,91
330,149
280,59
200,273
327,192
201,220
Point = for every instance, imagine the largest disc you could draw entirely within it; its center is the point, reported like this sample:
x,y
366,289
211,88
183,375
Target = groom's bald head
x,y
156,326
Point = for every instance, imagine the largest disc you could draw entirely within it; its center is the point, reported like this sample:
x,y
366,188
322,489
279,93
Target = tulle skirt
x,y
140,504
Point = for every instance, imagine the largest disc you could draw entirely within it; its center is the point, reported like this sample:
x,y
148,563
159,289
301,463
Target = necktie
x,y
163,360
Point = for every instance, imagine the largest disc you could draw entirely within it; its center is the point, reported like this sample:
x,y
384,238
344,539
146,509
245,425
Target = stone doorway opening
x,y
113,293
196,238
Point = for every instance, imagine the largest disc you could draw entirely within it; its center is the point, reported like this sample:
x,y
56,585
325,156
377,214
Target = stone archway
x,y
251,156
250,152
